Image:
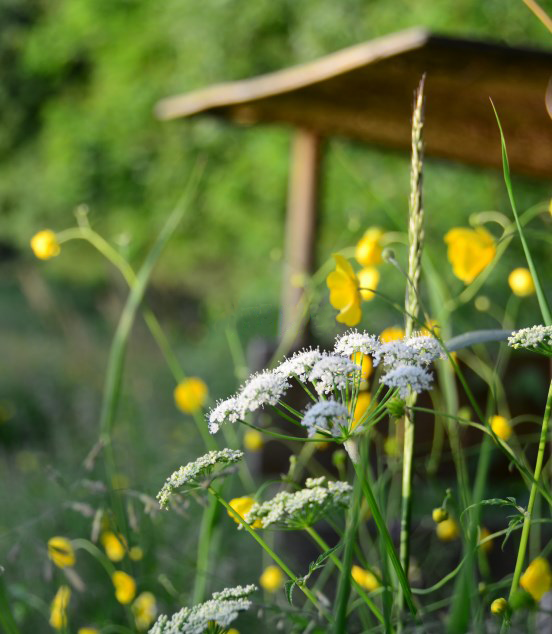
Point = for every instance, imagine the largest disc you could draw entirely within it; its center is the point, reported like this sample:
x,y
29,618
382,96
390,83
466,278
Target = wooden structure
x,y
365,93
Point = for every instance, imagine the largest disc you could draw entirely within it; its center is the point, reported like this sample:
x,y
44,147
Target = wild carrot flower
x,y
365,578
536,339
45,244
302,508
58,608
195,473
272,579
331,373
223,608
408,378
521,282
537,579
253,440
114,546
470,251
344,292
125,586
501,427
190,395
61,552
231,410
354,342
144,610
326,416
368,249
263,388
448,530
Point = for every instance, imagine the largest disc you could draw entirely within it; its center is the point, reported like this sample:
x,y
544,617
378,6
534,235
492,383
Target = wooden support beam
x,y
300,232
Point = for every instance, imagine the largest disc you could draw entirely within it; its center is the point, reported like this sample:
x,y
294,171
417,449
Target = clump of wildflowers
x,y
302,508
536,339
222,609
194,473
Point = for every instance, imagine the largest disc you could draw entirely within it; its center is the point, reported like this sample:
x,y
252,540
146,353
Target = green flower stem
x,y
385,536
310,596
203,548
533,494
324,547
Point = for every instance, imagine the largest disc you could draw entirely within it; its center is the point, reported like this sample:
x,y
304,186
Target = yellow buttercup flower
x,y
448,530
439,515
344,292
88,630
365,362
125,586
368,278
136,553
469,251
501,427
61,552
253,440
362,404
233,630
499,606
272,579
365,578
537,579
144,610
58,608
521,282
45,244
242,506
393,333
368,249
114,546
190,395
431,325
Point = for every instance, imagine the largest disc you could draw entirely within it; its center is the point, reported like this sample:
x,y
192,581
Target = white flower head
x,y
406,378
264,388
428,349
223,608
302,508
327,416
332,372
300,364
353,341
230,410
395,353
194,473
536,338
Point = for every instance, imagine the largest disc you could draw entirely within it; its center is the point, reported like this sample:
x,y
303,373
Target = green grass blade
x,y
543,303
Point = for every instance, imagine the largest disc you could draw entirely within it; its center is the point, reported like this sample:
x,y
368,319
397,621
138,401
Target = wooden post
x,y
300,233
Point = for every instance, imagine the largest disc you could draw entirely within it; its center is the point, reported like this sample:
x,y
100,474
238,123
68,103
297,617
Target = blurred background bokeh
x,y
79,83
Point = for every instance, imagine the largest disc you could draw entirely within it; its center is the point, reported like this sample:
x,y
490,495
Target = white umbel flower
x,y
327,416
428,349
194,473
223,608
332,372
302,508
300,364
230,410
406,378
536,338
264,388
353,341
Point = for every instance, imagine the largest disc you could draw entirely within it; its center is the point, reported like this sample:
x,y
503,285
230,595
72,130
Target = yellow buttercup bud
x,y
272,579
368,249
58,608
393,333
501,427
45,244
365,578
253,440
114,546
448,530
499,606
190,395
125,586
439,515
470,251
61,552
521,282
144,610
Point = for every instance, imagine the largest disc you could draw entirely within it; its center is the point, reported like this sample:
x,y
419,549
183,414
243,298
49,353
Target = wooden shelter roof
x,y
365,92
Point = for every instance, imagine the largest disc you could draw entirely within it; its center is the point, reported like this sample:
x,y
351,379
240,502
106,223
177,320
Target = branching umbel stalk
x,y
412,307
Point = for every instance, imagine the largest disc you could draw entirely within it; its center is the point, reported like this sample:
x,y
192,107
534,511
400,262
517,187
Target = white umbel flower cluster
x,y
300,364
406,378
325,416
302,508
332,372
223,608
353,341
228,410
194,473
536,338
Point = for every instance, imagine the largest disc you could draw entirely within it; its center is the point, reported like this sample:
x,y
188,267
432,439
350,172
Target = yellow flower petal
x,y
144,610
521,282
368,278
350,315
365,578
393,333
363,402
470,251
45,244
537,579
242,506
253,440
88,630
272,579
368,250
501,427
61,552
125,586
114,545
365,361
58,608
190,395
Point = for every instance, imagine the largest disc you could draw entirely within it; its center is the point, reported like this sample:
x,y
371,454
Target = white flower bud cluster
x,y
329,416
223,608
406,378
536,338
353,341
195,472
302,508
300,364
333,372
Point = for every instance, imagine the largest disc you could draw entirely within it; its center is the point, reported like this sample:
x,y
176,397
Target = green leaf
x,y
288,587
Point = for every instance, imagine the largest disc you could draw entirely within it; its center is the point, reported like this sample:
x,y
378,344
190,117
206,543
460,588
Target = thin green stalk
x,y
325,547
271,553
6,618
532,496
203,549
